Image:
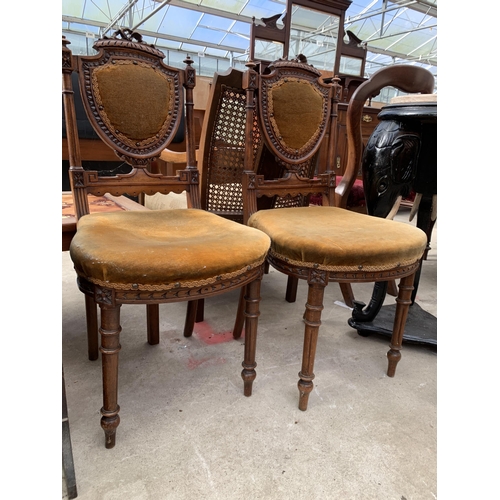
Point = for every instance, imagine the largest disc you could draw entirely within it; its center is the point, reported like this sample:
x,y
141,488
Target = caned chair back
x,y
222,146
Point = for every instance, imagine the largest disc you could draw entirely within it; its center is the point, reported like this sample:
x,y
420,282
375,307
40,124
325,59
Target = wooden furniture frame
x,y
316,274
108,249
268,30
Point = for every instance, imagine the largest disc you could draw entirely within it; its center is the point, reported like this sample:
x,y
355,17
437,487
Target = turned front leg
x,y
110,347
252,300
403,302
312,320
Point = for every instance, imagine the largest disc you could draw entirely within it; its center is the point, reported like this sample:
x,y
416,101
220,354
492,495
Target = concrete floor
x,y
187,431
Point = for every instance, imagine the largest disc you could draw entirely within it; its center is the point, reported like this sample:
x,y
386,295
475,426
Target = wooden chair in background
x,y
134,102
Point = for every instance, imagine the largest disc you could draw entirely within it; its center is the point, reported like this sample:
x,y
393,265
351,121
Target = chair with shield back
x,y
319,243
134,102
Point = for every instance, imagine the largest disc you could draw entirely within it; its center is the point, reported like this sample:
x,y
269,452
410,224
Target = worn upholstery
x,y
149,257
163,249
336,239
142,118
296,112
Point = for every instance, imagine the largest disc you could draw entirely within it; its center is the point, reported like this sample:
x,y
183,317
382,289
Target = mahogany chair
x,y
322,243
134,102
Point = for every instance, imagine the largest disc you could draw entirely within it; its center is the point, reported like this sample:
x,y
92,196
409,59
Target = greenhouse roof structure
x,y
394,32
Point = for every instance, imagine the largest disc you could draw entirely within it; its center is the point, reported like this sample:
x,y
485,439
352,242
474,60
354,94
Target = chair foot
x,y
248,375
110,347
192,309
305,387
200,311
291,289
403,302
252,300
393,355
392,288
347,294
92,329
109,423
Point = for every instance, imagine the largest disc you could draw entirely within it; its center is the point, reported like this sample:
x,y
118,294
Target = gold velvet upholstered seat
x,y
134,102
326,243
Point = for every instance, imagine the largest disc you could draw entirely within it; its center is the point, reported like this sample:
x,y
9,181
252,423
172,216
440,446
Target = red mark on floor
x,y
204,332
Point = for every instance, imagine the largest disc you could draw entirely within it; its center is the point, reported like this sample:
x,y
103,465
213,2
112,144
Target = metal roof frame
x,y
394,31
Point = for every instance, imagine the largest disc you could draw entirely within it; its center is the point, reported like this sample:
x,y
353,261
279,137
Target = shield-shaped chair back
x,y
152,91
294,111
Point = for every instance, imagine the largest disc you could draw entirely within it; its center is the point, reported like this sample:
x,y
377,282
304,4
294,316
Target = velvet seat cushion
x,y
160,250
336,239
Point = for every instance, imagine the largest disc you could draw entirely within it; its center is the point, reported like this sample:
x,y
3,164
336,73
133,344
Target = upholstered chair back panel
x,y
296,111
142,118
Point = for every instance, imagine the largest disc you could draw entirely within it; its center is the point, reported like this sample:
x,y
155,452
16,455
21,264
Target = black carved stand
x,y
400,156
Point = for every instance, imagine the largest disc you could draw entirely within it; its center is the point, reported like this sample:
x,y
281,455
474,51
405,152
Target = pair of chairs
x,y
134,102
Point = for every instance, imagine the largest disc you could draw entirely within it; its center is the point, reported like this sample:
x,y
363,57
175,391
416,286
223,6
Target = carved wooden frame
x,y
140,181
285,70
89,66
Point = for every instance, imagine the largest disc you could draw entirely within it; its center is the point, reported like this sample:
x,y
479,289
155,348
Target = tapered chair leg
x,y
192,308
403,302
239,322
200,311
291,289
392,288
110,347
92,331
252,300
347,294
312,320
153,323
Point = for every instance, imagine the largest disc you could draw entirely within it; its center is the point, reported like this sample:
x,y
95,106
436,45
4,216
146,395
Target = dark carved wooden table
x,y
400,157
